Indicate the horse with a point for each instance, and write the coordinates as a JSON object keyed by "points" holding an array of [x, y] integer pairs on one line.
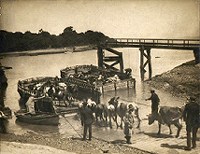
{"points": [[119, 109]]}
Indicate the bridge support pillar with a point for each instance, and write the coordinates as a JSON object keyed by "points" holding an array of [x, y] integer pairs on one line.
{"points": [[145, 58], [196, 52], [110, 61]]}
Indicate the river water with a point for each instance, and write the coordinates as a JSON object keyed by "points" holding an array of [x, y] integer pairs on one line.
{"points": [[50, 65]]}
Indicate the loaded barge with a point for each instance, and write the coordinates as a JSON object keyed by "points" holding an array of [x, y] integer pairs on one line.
{"points": [[94, 77], [75, 84]]}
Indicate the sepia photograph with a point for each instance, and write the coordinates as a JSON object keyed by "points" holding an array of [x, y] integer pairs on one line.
{"points": [[99, 76]]}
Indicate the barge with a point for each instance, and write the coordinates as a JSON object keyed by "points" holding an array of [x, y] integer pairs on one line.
{"points": [[96, 78]]}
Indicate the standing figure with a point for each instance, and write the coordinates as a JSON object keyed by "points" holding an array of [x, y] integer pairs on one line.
{"points": [[191, 118], [51, 92], [2, 120], [155, 101], [128, 124], [87, 119]]}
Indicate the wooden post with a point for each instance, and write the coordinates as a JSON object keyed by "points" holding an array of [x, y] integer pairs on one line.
{"points": [[100, 56], [121, 63], [141, 62], [147, 55], [149, 61], [196, 52]]}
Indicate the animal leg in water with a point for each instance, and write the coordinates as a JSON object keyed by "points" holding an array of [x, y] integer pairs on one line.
{"points": [[138, 118], [159, 128], [121, 125], [115, 119], [170, 130], [179, 126]]}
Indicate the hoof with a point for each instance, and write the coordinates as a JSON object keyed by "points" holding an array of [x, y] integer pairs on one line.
{"points": [[177, 136]]}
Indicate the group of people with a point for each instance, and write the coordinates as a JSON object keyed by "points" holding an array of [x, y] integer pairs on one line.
{"points": [[190, 114]]}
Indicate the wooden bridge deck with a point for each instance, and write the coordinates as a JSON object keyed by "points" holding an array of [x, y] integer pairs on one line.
{"points": [[145, 46], [185, 44]]}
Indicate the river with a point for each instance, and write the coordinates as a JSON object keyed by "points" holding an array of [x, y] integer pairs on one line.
{"points": [[50, 65]]}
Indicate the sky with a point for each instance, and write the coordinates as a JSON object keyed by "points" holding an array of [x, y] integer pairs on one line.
{"points": [[114, 18]]}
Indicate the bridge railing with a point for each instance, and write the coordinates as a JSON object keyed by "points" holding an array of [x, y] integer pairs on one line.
{"points": [[155, 42]]}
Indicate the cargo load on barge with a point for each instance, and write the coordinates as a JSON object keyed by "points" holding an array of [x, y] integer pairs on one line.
{"points": [[97, 78]]}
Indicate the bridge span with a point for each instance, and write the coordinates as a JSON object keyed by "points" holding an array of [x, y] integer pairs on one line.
{"points": [[145, 45]]}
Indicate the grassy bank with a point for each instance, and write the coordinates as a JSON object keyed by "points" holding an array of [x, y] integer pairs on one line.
{"points": [[183, 80]]}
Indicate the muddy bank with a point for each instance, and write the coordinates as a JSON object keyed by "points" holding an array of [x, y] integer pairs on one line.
{"points": [[182, 81], [72, 144]]}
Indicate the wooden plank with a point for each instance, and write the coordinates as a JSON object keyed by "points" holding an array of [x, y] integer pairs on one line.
{"points": [[111, 58], [114, 51]]}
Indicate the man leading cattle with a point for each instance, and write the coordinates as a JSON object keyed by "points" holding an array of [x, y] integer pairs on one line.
{"points": [[155, 101], [87, 119], [191, 117], [128, 121]]}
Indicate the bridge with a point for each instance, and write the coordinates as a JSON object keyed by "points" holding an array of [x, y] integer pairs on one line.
{"points": [[145, 45]]}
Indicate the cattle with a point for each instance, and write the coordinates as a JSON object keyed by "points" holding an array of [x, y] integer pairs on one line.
{"points": [[119, 109], [169, 116]]}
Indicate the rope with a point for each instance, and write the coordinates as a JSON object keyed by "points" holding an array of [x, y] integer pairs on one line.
{"points": [[104, 151], [71, 125]]}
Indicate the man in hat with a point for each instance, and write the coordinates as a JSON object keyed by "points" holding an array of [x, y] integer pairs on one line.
{"points": [[128, 123], [87, 119], [191, 118], [155, 101]]}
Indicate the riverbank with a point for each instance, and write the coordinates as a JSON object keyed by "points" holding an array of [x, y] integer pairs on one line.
{"points": [[182, 81], [49, 51], [35, 143]]}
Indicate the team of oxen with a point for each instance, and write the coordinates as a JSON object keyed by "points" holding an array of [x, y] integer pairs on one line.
{"points": [[115, 109]]}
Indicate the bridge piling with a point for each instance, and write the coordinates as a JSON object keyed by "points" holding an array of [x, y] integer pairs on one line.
{"points": [[110, 61], [196, 52], [145, 53]]}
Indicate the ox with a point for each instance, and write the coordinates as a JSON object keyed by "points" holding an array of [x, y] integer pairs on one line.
{"points": [[119, 109], [167, 115]]}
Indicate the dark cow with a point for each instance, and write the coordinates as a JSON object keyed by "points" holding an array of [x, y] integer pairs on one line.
{"points": [[169, 116]]}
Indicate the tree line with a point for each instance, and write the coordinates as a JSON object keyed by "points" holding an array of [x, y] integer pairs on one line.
{"points": [[43, 40]]}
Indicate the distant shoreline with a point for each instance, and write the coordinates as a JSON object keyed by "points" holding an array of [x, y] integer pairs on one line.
{"points": [[49, 51]]}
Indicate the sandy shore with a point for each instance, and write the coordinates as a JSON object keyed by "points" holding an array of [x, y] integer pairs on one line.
{"points": [[21, 148], [34, 143]]}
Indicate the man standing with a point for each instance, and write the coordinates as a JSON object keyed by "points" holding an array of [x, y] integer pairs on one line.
{"points": [[191, 118], [128, 124], [87, 119], [155, 101]]}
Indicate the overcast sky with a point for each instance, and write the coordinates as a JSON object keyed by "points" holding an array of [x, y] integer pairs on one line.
{"points": [[114, 18]]}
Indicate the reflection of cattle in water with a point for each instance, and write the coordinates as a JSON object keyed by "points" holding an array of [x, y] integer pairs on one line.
{"points": [[169, 116], [118, 109]]}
